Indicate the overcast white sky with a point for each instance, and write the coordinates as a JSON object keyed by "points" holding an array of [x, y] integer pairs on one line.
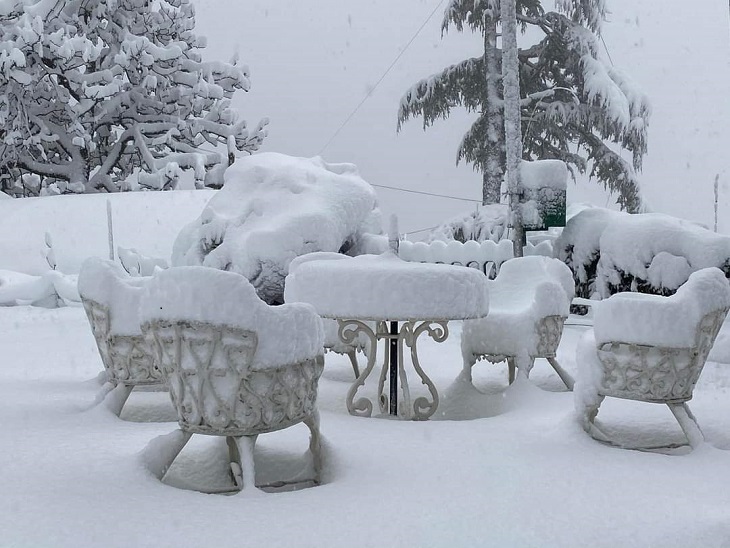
{"points": [[313, 61]]}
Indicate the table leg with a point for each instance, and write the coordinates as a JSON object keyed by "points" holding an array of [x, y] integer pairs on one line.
{"points": [[420, 409], [394, 359], [438, 331], [348, 332]]}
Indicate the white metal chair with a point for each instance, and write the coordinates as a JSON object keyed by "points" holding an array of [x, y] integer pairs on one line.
{"points": [[111, 300], [235, 366], [529, 301], [651, 349]]}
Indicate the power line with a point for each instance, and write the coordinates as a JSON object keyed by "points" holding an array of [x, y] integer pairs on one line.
{"points": [[387, 71], [427, 193]]}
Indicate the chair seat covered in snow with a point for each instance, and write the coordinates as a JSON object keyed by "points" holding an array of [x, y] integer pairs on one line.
{"points": [[111, 300], [652, 349], [235, 366], [529, 302]]}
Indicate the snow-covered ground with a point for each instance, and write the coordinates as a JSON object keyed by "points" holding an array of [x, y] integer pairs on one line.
{"points": [[506, 467]]}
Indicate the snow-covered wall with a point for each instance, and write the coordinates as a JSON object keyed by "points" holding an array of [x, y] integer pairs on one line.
{"points": [[77, 224]]}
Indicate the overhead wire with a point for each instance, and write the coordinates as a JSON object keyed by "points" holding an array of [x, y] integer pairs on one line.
{"points": [[380, 80]]}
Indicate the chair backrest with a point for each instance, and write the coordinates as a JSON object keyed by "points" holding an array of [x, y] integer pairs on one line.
{"points": [[286, 334], [105, 283], [670, 322]]}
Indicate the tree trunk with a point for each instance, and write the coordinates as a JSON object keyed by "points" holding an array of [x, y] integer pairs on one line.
{"points": [[512, 121], [493, 171]]}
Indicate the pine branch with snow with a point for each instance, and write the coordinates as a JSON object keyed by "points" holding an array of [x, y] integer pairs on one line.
{"points": [[575, 106]]}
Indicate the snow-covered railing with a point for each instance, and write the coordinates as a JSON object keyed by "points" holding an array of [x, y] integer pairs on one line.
{"points": [[487, 256]]}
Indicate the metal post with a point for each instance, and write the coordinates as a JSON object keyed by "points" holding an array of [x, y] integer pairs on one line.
{"points": [[394, 368]]}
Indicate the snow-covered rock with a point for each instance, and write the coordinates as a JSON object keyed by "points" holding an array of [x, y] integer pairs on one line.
{"points": [[274, 208], [286, 334]]}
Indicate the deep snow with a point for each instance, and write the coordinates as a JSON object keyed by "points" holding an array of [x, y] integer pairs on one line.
{"points": [[498, 469]]}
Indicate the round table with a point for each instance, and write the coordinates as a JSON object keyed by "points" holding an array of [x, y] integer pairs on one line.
{"points": [[384, 298]]}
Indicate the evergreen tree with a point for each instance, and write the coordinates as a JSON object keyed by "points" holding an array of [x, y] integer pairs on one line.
{"points": [[574, 106], [94, 90]]}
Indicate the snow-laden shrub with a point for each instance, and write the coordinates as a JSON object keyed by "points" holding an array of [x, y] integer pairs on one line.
{"points": [[489, 222], [578, 246], [610, 252], [274, 208], [655, 253]]}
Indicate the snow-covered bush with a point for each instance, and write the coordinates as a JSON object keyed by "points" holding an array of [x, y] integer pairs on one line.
{"points": [[654, 253], [274, 208], [488, 223], [610, 252], [94, 91], [578, 246]]}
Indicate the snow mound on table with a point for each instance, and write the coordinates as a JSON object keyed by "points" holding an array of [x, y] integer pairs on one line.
{"points": [[386, 287], [286, 334], [274, 208], [332, 339], [662, 321], [107, 283], [526, 289]]}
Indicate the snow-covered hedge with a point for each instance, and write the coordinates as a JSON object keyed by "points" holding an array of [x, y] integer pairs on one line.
{"points": [[274, 208], [610, 252]]}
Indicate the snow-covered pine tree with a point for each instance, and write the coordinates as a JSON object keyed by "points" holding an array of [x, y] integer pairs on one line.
{"points": [[575, 107], [94, 90]]}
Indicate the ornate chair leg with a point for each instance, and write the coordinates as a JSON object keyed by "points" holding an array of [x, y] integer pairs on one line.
{"points": [[234, 459], [562, 373], [468, 364], [116, 399], [162, 451], [353, 360], [315, 444], [246, 446], [688, 423]]}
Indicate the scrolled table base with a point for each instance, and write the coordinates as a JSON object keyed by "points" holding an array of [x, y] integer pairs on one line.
{"points": [[422, 407]]}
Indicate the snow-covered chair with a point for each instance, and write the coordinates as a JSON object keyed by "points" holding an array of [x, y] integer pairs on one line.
{"points": [[235, 366], [529, 302], [652, 349], [332, 340], [111, 300]]}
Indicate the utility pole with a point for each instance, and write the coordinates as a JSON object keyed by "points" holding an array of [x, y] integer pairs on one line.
{"points": [[512, 119]]}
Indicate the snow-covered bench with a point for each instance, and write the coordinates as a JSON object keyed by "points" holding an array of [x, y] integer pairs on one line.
{"points": [[651, 348], [111, 300], [529, 302], [235, 366]]}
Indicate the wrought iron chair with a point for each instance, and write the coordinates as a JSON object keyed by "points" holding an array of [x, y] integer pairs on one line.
{"points": [[651, 349], [235, 366], [529, 302], [111, 300]]}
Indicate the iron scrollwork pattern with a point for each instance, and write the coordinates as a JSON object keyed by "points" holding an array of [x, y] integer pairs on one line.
{"points": [[656, 373], [422, 407], [215, 390], [127, 359]]}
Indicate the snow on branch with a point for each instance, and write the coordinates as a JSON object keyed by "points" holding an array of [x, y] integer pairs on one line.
{"points": [[92, 92], [433, 98]]}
